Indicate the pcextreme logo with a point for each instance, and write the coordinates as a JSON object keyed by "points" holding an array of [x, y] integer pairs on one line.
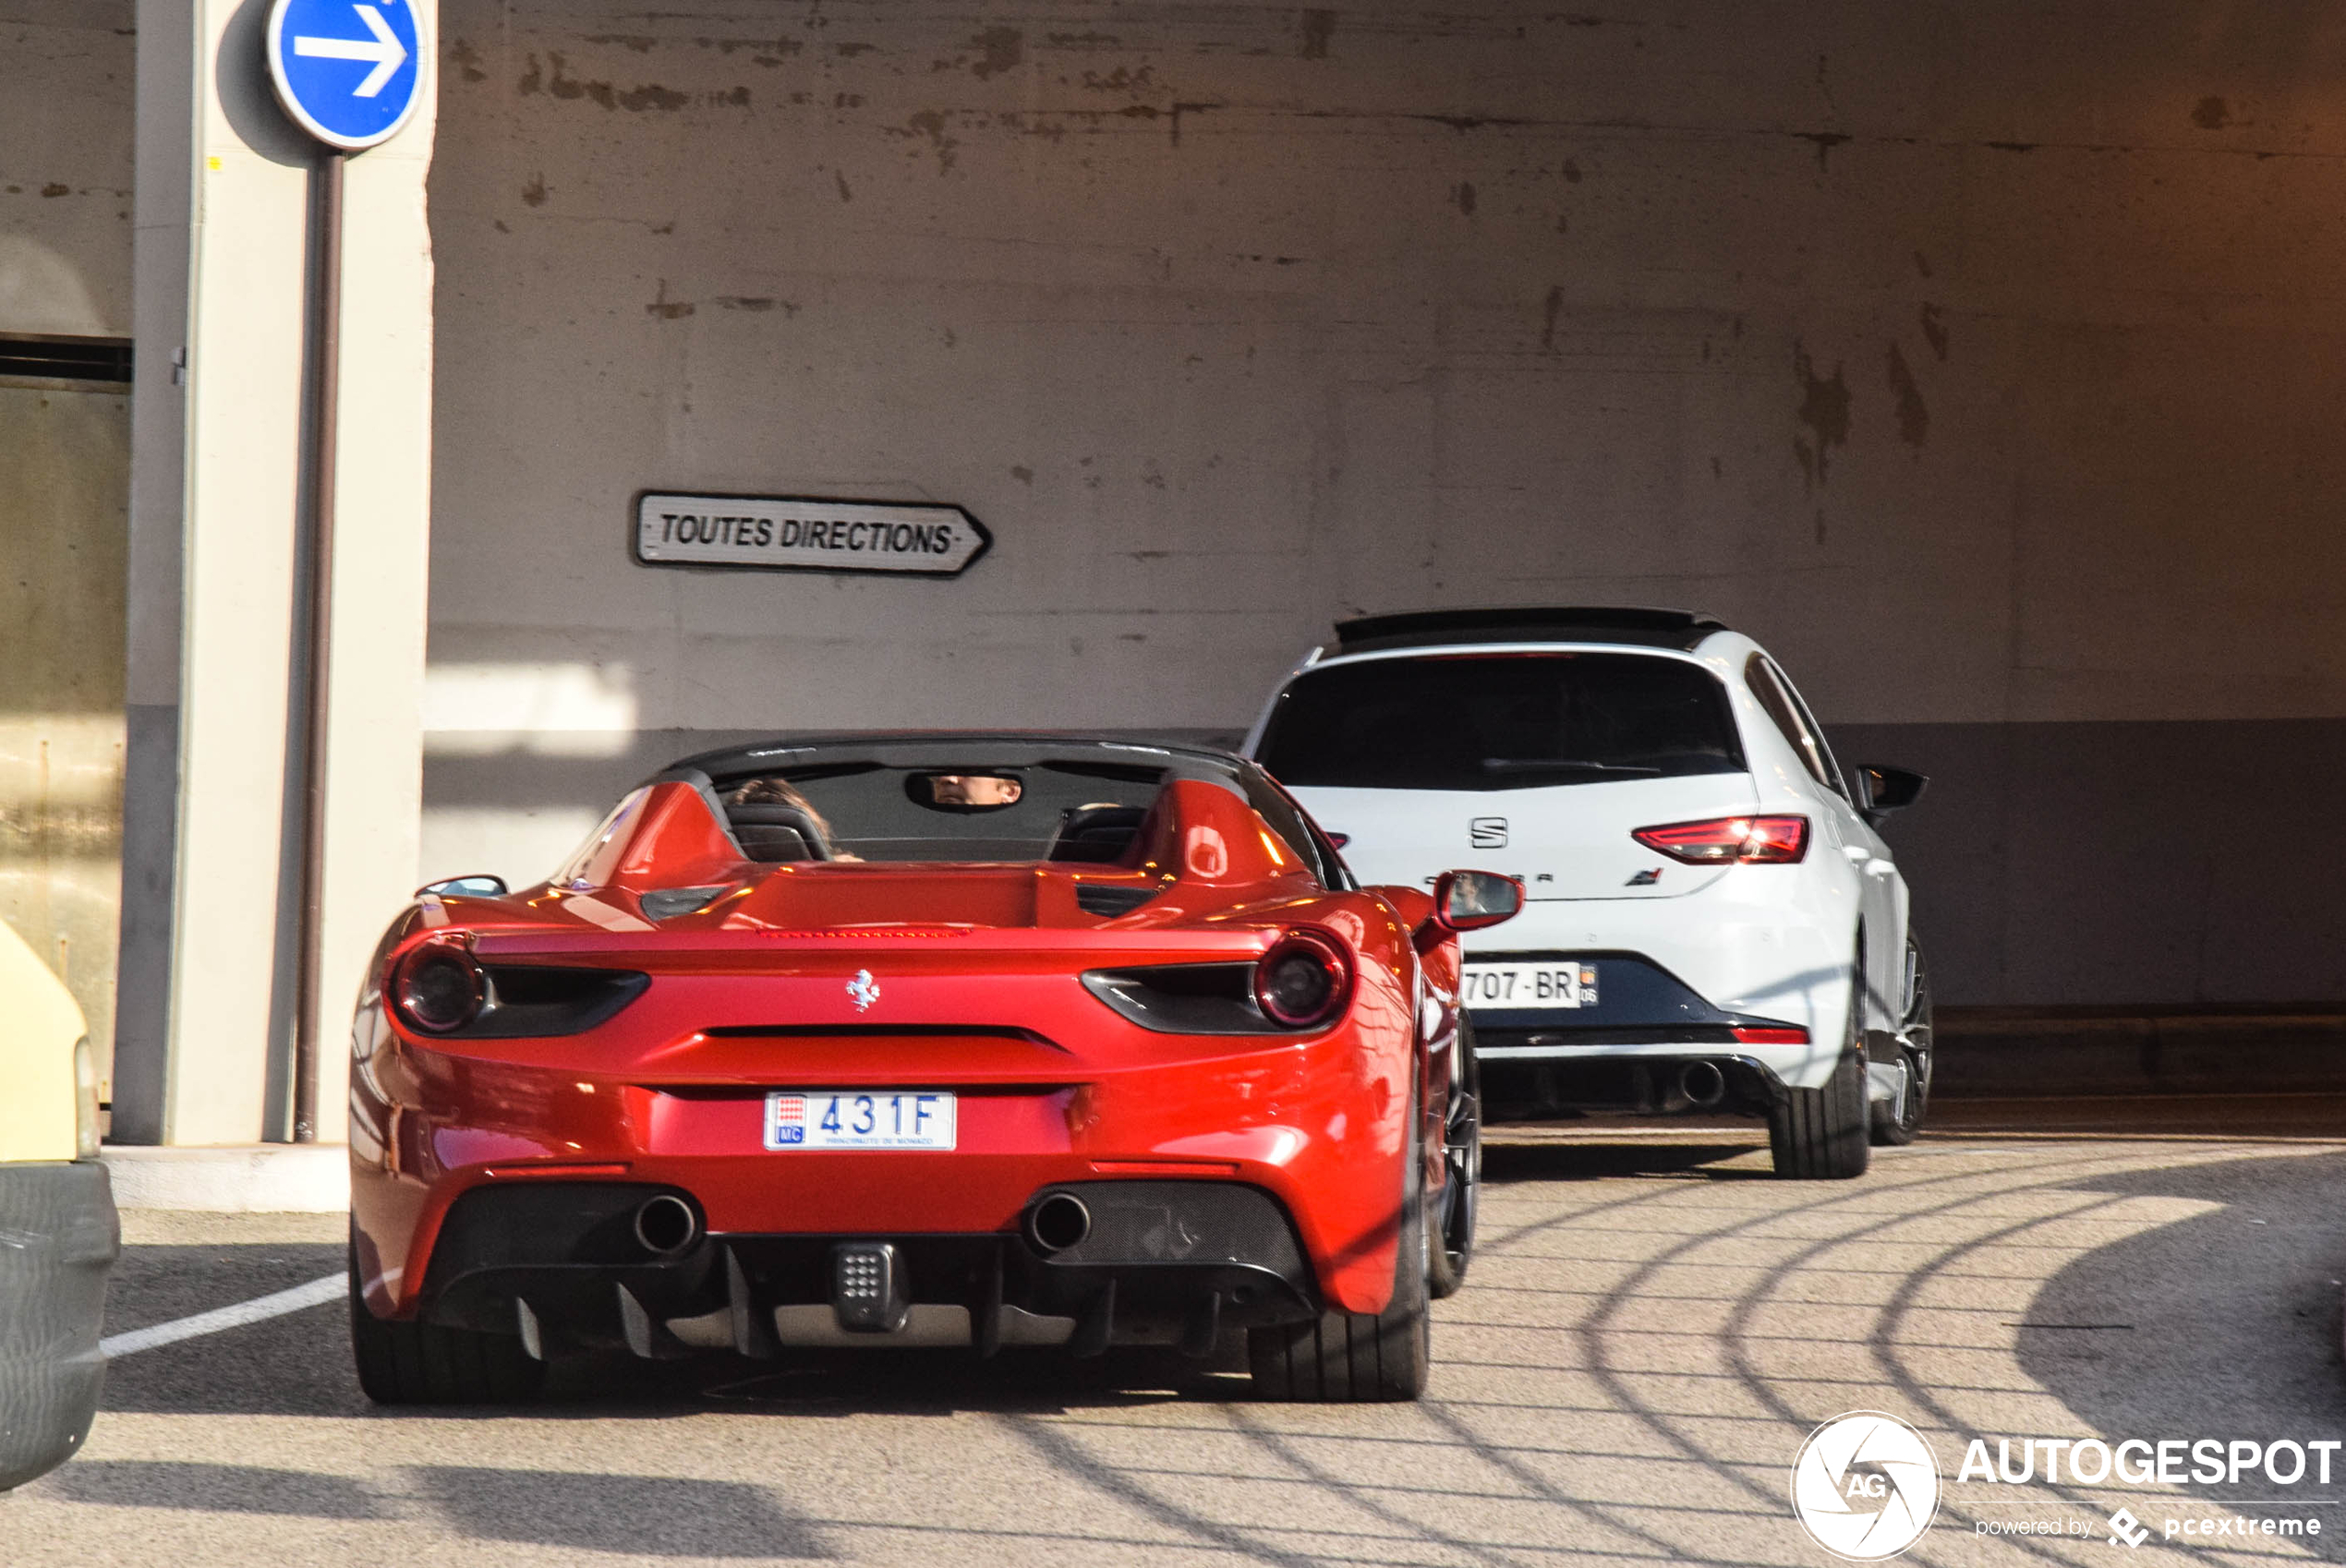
{"points": [[1866, 1486]]}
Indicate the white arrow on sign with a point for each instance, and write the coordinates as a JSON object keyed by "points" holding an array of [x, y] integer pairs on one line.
{"points": [[385, 50]]}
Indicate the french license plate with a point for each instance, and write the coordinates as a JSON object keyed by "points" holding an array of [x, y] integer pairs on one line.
{"points": [[1555, 983], [859, 1119]]}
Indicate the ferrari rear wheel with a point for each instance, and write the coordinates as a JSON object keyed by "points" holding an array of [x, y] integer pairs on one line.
{"points": [[1354, 1357], [1453, 1246], [425, 1364]]}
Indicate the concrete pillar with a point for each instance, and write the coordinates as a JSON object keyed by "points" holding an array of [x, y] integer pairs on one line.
{"points": [[215, 680]]}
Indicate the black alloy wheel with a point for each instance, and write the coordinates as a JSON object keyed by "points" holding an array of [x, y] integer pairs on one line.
{"points": [[1916, 1057], [1462, 1171]]}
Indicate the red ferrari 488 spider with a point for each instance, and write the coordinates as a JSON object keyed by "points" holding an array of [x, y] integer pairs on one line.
{"points": [[922, 1039]]}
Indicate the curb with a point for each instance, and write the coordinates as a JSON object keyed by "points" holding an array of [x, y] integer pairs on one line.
{"points": [[1998, 1053], [305, 1178]]}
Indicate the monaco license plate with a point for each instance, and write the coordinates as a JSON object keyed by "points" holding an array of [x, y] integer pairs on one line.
{"points": [[859, 1119], [1555, 982]]}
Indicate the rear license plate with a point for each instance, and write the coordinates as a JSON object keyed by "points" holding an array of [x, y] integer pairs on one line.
{"points": [[1553, 983], [859, 1119]]}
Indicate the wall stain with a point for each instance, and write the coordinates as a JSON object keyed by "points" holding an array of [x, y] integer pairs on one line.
{"points": [[1571, 172], [1463, 195], [757, 304], [1121, 79], [1825, 142], [1319, 26], [1934, 327], [1023, 474], [1181, 109], [467, 59], [640, 42], [1914, 418], [2211, 113], [844, 194], [849, 51], [54, 189], [1548, 325], [1922, 264], [931, 124], [668, 309], [762, 51], [1824, 408], [2013, 146], [533, 193], [1084, 39], [557, 80], [1004, 48]]}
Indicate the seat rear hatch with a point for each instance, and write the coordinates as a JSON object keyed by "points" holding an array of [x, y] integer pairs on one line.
{"points": [[1538, 761]]}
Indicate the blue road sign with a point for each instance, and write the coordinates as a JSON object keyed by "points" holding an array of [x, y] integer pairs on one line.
{"points": [[350, 72]]}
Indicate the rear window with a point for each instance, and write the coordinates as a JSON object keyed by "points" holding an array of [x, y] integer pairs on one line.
{"points": [[1500, 721]]}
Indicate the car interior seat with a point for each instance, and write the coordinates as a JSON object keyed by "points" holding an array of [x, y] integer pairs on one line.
{"points": [[776, 832], [1095, 834]]}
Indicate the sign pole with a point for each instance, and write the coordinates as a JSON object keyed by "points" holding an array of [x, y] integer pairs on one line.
{"points": [[325, 338], [350, 73]]}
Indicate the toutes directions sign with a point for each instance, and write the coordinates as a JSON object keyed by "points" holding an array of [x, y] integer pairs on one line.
{"points": [[782, 533]]}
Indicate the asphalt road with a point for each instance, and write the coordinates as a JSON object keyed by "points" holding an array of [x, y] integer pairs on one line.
{"points": [[1651, 1329]]}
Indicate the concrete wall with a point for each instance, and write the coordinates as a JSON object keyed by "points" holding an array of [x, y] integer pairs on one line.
{"points": [[66, 92], [1980, 358], [66, 85]]}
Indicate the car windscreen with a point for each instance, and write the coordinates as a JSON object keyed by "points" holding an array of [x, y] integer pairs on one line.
{"points": [[954, 809], [1500, 721]]}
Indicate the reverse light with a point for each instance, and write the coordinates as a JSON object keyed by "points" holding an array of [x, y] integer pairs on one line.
{"points": [[1730, 840], [438, 987], [1304, 982]]}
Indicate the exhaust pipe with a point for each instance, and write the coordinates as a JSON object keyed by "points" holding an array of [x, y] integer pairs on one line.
{"points": [[1702, 1083], [666, 1225], [1058, 1221]]}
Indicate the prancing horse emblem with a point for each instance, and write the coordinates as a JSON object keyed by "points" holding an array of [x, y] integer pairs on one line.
{"points": [[863, 990]]}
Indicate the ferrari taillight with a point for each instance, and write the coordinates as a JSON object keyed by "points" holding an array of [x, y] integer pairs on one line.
{"points": [[438, 987], [1304, 980], [1730, 840]]}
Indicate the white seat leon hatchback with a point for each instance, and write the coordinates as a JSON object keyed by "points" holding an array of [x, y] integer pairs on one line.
{"points": [[1712, 923]]}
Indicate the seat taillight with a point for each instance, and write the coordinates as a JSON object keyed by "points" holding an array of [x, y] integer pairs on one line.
{"points": [[1730, 840]]}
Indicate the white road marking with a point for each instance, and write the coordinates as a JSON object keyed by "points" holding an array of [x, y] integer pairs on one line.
{"points": [[316, 1293]]}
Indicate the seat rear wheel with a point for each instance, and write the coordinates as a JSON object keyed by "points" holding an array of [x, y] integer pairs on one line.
{"points": [[1340, 1357], [417, 1363], [1453, 1246], [1822, 1134]]}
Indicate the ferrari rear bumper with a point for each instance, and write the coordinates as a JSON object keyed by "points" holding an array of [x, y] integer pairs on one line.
{"points": [[573, 1265]]}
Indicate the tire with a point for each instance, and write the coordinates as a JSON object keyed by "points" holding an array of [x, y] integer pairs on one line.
{"points": [[1821, 1134], [1453, 1244], [425, 1364], [1356, 1358], [1917, 1055]]}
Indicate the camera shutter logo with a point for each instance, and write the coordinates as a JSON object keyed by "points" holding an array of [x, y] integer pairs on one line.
{"points": [[1866, 1486], [1487, 833]]}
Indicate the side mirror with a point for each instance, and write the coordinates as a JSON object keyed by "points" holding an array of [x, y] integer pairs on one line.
{"points": [[1883, 789], [480, 885], [1470, 900]]}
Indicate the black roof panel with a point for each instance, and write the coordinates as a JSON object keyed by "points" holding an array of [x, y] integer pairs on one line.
{"points": [[1680, 629]]}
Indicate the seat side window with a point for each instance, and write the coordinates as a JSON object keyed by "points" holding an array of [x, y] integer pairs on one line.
{"points": [[1791, 717]]}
